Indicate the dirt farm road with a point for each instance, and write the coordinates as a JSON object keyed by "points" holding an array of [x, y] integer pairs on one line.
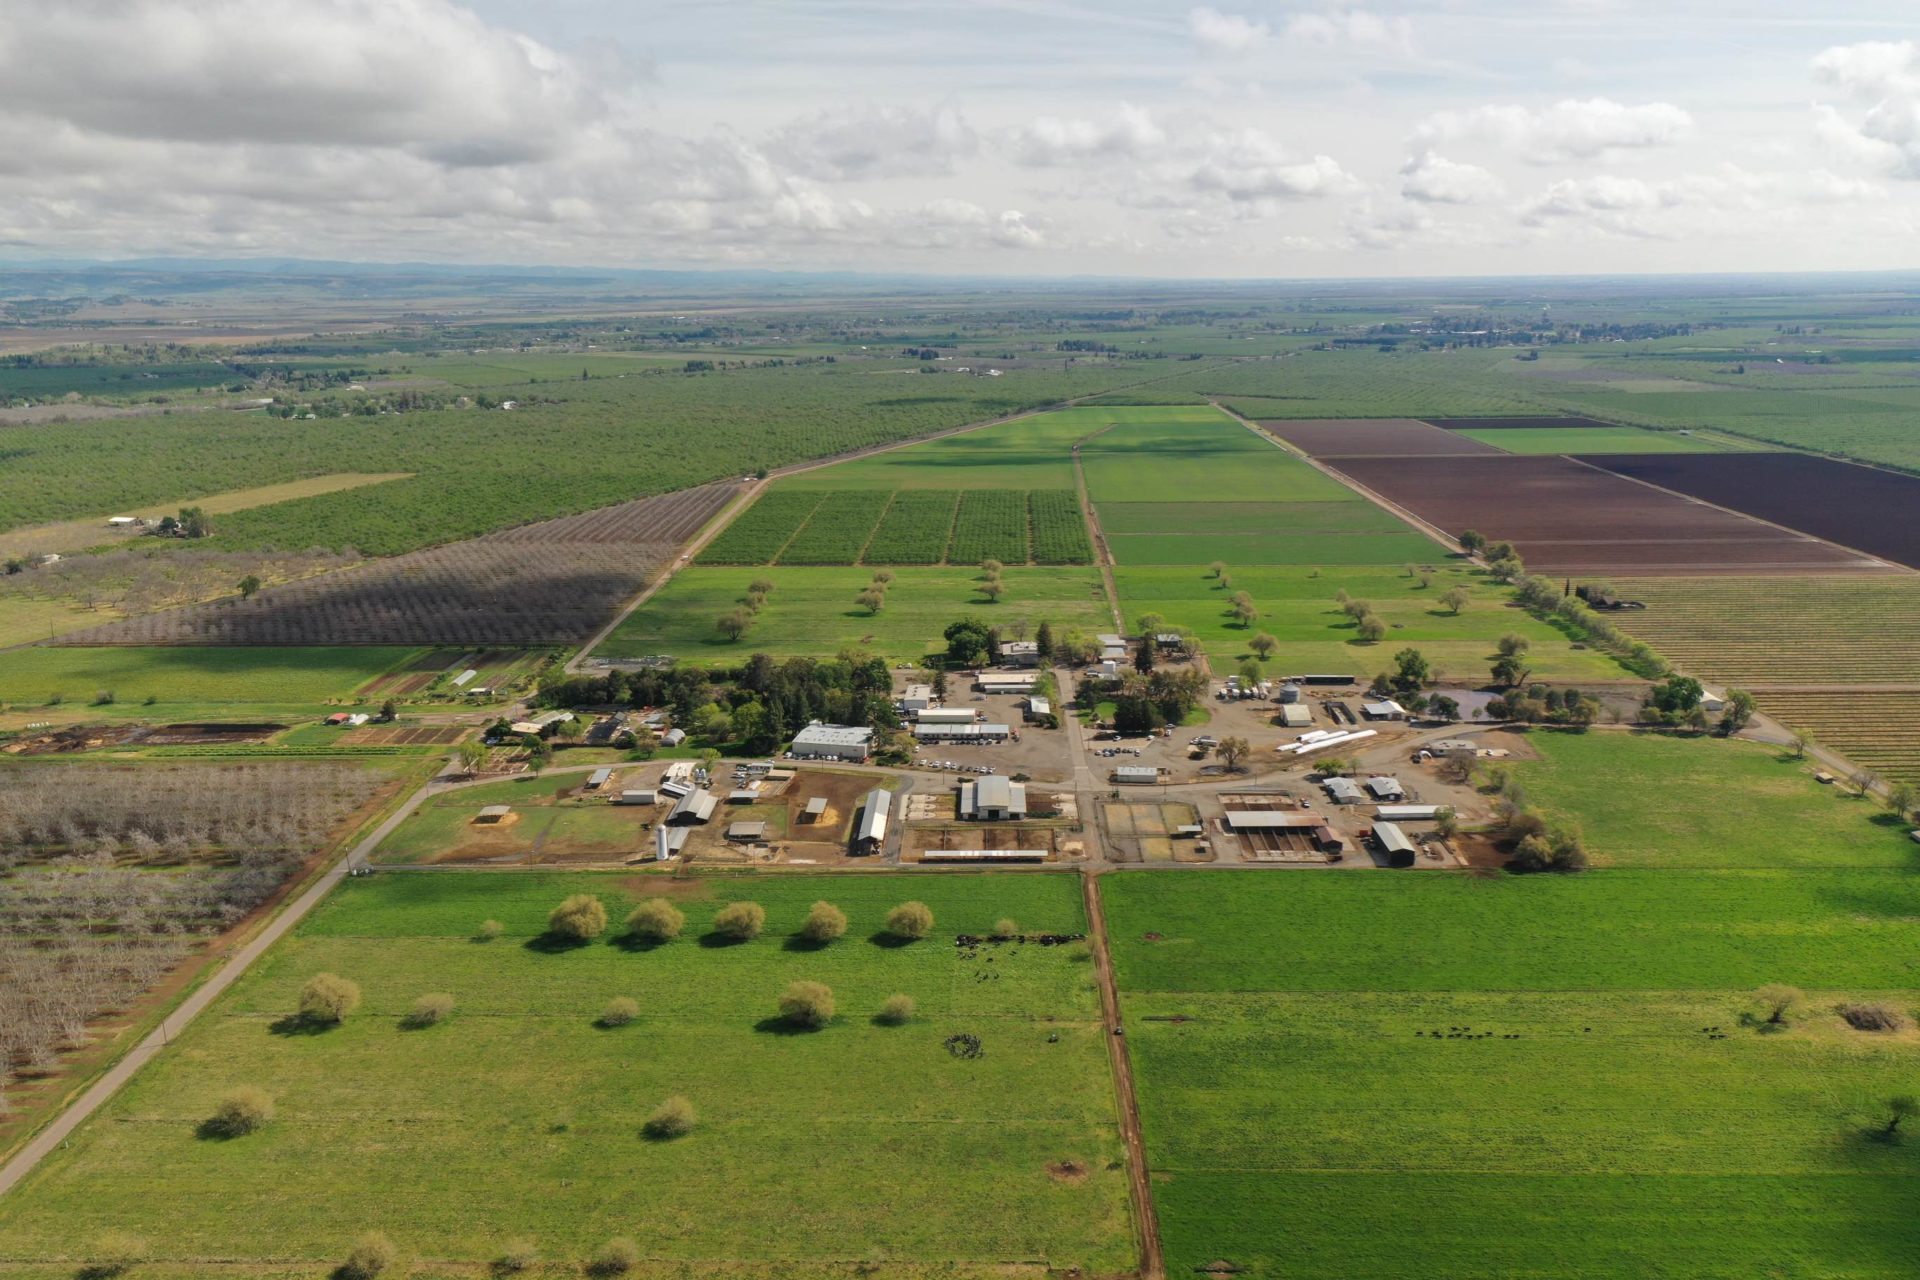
{"points": [[62, 1126], [1139, 1179]]}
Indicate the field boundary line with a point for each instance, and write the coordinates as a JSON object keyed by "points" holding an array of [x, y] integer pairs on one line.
{"points": [[56, 1132], [685, 554], [1446, 540], [1139, 1181], [1102, 551]]}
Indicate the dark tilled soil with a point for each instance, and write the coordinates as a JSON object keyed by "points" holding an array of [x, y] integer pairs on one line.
{"points": [[1568, 517], [1875, 511]]}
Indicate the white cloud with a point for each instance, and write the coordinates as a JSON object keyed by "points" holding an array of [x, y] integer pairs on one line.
{"points": [[1225, 34], [1131, 133], [1245, 178], [423, 75], [1574, 129], [875, 142], [1883, 77], [1433, 179], [1352, 29]]}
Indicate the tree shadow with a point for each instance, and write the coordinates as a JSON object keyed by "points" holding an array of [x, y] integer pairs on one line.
{"points": [[549, 944], [715, 940], [640, 944], [891, 941], [781, 1025], [300, 1024], [799, 942]]}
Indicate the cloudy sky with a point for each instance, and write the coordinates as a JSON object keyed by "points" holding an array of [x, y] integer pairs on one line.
{"points": [[1028, 137]]}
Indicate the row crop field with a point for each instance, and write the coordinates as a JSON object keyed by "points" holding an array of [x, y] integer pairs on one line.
{"points": [[760, 533], [1570, 1065], [1299, 607], [522, 1114], [1782, 629], [838, 530], [990, 525], [1192, 491], [1878, 731], [905, 527], [812, 611], [1591, 440], [916, 529]]}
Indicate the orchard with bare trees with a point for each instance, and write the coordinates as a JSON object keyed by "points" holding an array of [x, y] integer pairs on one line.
{"points": [[109, 875]]}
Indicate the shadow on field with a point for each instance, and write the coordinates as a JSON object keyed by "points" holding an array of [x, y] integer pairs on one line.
{"points": [[637, 944], [299, 1024], [714, 940], [796, 942], [780, 1025], [553, 944], [891, 941]]}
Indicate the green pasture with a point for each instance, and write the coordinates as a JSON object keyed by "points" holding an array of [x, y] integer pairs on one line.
{"points": [[1298, 608], [811, 611], [176, 676], [1648, 800], [1607, 930], [1579, 440], [518, 1116]]}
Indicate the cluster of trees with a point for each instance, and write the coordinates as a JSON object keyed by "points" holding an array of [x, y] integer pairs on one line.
{"points": [[1549, 599], [1535, 843], [873, 596], [1144, 701], [1501, 557], [736, 622], [1538, 704], [146, 576], [1366, 623]]}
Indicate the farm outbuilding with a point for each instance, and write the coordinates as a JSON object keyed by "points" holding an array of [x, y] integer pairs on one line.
{"points": [[833, 742], [639, 795], [1394, 843], [1271, 820], [993, 799], [598, 779], [1383, 709], [746, 832], [1344, 791], [668, 842], [1020, 653], [1136, 774], [495, 813], [963, 733], [1295, 715], [696, 806], [945, 715], [918, 697], [1003, 682], [984, 855], [1385, 789], [870, 833], [815, 810], [1407, 812]]}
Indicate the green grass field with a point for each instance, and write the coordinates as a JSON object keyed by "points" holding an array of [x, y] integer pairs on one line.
{"points": [[1646, 800], [1407, 1075], [811, 611], [1297, 607], [856, 1145], [1592, 440], [181, 675], [580, 825]]}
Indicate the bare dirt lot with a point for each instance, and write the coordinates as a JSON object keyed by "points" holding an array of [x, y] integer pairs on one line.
{"points": [[1373, 437], [1568, 517], [1875, 511]]}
